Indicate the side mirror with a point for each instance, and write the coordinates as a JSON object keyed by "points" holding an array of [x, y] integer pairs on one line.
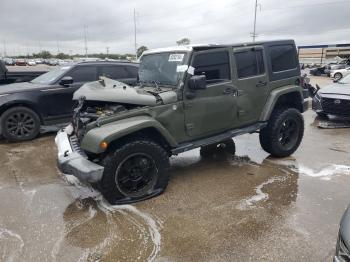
{"points": [[197, 82], [66, 81]]}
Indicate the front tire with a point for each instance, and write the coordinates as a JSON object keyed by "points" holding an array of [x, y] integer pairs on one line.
{"points": [[338, 76], [283, 133], [20, 124], [135, 170]]}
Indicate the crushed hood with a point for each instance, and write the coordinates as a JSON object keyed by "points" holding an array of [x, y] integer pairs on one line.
{"points": [[109, 90], [336, 89]]}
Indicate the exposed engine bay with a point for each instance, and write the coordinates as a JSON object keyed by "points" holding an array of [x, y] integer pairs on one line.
{"points": [[88, 111]]}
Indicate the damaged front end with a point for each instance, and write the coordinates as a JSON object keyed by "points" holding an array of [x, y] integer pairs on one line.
{"points": [[99, 103]]}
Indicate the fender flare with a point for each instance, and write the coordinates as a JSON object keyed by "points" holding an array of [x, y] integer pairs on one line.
{"points": [[275, 95], [121, 128]]}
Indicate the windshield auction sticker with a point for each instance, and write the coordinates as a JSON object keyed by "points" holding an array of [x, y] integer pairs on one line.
{"points": [[176, 57]]}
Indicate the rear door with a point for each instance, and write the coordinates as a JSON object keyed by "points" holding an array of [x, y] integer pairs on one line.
{"points": [[213, 109], [252, 82]]}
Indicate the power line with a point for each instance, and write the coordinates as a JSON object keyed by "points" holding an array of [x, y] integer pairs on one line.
{"points": [[135, 32]]}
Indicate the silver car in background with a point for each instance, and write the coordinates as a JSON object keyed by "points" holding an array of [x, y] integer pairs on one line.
{"points": [[333, 99]]}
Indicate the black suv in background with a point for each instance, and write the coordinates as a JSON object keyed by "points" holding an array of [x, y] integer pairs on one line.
{"points": [[46, 101]]}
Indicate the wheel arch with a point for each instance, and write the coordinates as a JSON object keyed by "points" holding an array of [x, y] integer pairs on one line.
{"points": [[20, 103], [135, 127], [290, 96]]}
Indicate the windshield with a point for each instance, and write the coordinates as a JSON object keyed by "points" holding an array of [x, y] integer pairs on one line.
{"points": [[51, 76], [162, 68], [345, 80]]}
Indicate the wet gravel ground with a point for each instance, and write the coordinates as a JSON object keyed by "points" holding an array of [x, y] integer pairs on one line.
{"points": [[245, 207]]}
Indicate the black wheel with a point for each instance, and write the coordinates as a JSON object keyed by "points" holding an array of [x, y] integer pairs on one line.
{"points": [[227, 146], [134, 171], [20, 124], [338, 76], [283, 133]]}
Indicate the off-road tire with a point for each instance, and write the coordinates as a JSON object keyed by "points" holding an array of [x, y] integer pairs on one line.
{"points": [[28, 116], [270, 135], [338, 76], [227, 146], [111, 190]]}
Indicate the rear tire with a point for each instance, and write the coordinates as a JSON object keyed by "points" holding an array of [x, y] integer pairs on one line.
{"points": [[20, 124], [134, 170], [283, 133]]}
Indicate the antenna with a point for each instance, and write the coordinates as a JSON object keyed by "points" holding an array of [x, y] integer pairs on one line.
{"points": [[135, 33], [58, 46], [85, 40], [254, 34], [4, 47]]}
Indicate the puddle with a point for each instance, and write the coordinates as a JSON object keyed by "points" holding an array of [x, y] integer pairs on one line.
{"points": [[252, 202], [11, 245], [326, 173], [104, 231]]}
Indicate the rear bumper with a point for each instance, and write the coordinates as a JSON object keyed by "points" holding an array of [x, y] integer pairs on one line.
{"points": [[74, 163]]}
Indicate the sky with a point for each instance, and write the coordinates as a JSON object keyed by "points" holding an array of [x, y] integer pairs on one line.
{"points": [[28, 26]]}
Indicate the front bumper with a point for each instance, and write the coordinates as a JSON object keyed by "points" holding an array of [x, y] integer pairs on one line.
{"points": [[342, 252], [73, 162]]}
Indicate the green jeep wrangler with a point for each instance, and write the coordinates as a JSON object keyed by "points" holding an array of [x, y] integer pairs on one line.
{"points": [[121, 137]]}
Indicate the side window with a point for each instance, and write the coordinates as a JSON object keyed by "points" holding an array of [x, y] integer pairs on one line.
{"points": [[113, 72], [249, 63], [283, 58], [83, 74], [132, 71], [215, 66]]}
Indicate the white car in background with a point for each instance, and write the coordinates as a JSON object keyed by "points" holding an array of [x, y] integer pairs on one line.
{"points": [[31, 63], [339, 73]]}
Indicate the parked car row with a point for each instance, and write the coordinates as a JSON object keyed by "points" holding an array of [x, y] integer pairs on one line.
{"points": [[17, 76], [47, 100], [34, 61], [334, 70]]}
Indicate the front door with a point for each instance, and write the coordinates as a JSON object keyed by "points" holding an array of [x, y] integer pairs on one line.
{"points": [[252, 82], [57, 101], [211, 110]]}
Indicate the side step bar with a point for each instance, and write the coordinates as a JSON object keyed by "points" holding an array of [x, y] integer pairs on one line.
{"points": [[217, 138]]}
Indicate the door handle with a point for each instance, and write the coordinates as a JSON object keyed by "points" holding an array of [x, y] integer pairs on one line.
{"points": [[261, 84], [228, 91]]}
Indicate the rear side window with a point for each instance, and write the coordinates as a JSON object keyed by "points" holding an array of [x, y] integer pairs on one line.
{"points": [[283, 58], [113, 72], [215, 66], [83, 74], [250, 63]]}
